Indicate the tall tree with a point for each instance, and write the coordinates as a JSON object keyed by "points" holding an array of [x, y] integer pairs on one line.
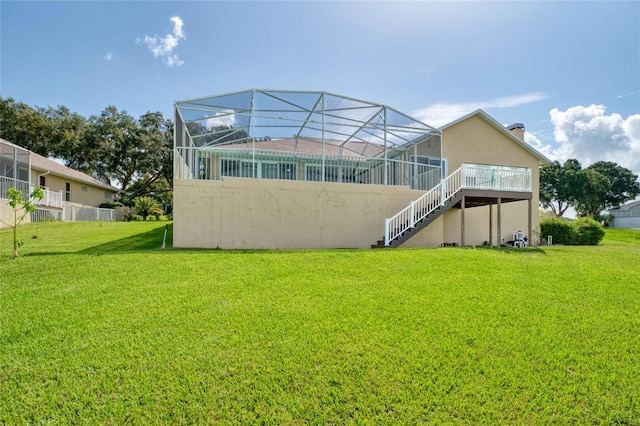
{"points": [[24, 126], [593, 189], [559, 188], [624, 184]]}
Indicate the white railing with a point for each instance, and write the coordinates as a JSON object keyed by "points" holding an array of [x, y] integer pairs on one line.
{"points": [[469, 176], [216, 163], [497, 178], [6, 183], [51, 199]]}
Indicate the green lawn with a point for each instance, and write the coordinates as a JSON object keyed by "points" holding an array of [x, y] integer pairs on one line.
{"points": [[99, 325]]}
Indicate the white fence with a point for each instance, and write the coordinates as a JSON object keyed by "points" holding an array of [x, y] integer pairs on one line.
{"points": [[90, 214]]}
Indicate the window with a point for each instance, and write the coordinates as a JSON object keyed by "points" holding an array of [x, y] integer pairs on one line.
{"points": [[108, 195], [237, 168], [67, 192], [278, 171], [83, 188], [42, 181], [431, 161], [259, 169]]}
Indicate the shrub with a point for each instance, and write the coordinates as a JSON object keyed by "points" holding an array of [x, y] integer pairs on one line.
{"points": [[583, 231], [126, 212], [137, 217], [588, 232], [560, 230], [110, 205]]}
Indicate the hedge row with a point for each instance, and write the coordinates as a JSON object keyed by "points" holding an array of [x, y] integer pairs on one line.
{"points": [[583, 231]]}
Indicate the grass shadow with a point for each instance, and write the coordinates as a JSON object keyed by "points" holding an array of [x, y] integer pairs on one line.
{"points": [[141, 242], [518, 250]]}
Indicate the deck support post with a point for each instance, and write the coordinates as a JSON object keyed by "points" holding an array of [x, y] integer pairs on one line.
{"points": [[530, 223], [490, 225], [499, 236], [462, 242]]}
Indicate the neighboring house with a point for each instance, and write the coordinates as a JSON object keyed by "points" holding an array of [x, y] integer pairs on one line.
{"points": [[63, 187], [289, 170], [626, 216]]}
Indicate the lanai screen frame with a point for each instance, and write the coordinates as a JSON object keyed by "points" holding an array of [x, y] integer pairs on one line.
{"points": [[247, 119]]}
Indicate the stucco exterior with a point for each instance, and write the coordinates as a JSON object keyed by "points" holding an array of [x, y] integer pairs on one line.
{"points": [[242, 213]]}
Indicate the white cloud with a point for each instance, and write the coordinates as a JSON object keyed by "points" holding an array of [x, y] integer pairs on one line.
{"points": [[109, 56], [589, 135], [445, 112], [163, 46]]}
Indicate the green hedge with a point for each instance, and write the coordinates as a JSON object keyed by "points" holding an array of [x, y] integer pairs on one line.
{"points": [[583, 231]]}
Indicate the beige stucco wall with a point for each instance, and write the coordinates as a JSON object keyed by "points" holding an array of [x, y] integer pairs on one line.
{"points": [[6, 214], [241, 213], [81, 193]]}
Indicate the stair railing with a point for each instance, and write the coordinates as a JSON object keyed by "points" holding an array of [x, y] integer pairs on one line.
{"points": [[420, 208]]}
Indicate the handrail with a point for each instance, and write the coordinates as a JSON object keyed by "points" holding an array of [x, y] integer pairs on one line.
{"points": [[469, 176], [422, 207]]}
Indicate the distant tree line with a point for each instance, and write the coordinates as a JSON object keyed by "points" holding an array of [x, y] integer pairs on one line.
{"points": [[589, 191], [114, 147]]}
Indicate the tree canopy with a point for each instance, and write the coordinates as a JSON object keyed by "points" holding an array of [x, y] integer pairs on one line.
{"points": [[599, 187]]}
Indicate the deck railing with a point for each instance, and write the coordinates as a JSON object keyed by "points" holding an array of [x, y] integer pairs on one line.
{"points": [[216, 163], [51, 198], [469, 176]]}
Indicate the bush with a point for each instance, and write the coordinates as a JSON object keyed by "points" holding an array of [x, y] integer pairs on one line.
{"points": [[588, 232], [126, 212], [110, 205], [137, 217], [560, 230], [583, 231]]}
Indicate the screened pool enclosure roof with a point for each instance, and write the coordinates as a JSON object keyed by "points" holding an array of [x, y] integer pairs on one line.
{"points": [[300, 121]]}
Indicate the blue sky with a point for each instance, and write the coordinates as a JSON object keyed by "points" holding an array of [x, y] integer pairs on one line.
{"points": [[570, 71]]}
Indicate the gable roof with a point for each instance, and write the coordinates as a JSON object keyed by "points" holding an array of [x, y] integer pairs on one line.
{"points": [[486, 117], [625, 207], [44, 164]]}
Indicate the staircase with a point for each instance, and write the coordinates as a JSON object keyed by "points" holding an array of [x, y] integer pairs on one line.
{"points": [[421, 212], [432, 204]]}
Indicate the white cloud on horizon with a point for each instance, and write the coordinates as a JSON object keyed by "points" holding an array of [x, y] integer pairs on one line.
{"points": [[589, 135], [163, 46], [442, 113]]}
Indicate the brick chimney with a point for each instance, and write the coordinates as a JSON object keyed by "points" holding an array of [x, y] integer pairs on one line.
{"points": [[517, 129]]}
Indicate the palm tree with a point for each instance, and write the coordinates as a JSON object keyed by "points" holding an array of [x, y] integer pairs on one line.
{"points": [[147, 206]]}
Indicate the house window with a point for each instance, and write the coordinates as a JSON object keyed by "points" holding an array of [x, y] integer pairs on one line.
{"points": [[278, 170], [259, 169], [431, 161], [67, 192], [107, 195], [83, 188], [42, 182]]}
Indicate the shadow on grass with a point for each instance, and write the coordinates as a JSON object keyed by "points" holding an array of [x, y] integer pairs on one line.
{"points": [[145, 241], [518, 250]]}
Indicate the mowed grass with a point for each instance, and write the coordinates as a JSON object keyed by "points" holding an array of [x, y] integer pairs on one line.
{"points": [[101, 326]]}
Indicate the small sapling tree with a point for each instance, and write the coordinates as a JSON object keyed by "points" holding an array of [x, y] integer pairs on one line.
{"points": [[21, 208]]}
